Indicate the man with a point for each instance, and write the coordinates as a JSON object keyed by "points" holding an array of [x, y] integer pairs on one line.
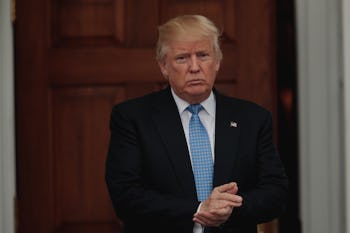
{"points": [[161, 178]]}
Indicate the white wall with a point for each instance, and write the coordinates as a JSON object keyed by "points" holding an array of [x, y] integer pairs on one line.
{"points": [[7, 153], [322, 144], [346, 65]]}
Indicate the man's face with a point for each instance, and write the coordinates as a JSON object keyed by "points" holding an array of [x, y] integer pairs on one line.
{"points": [[191, 67]]}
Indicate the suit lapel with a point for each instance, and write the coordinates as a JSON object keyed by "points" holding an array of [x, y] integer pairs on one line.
{"points": [[168, 123], [226, 140]]}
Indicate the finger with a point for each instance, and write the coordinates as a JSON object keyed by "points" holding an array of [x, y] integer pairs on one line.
{"points": [[207, 222], [222, 213], [226, 199], [226, 187], [203, 218], [223, 204], [214, 216], [208, 219], [204, 215], [236, 200], [234, 190], [198, 220]]}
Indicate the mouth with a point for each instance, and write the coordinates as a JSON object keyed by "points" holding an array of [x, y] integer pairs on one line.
{"points": [[195, 82]]}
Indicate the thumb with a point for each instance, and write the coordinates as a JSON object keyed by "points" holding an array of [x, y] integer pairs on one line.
{"points": [[234, 190]]}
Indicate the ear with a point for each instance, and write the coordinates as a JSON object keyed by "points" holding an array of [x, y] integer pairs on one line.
{"points": [[163, 68], [217, 66]]}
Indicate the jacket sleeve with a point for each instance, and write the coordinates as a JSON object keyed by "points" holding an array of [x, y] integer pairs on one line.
{"points": [[266, 198]]}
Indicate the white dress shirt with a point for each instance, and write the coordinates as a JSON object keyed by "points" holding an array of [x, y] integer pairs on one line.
{"points": [[207, 117]]}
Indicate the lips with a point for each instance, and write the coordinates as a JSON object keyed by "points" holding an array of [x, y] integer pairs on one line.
{"points": [[195, 82]]}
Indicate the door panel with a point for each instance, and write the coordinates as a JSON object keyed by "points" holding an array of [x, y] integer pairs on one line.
{"points": [[78, 58], [79, 140]]}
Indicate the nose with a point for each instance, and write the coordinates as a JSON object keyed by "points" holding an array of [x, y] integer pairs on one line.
{"points": [[194, 64]]}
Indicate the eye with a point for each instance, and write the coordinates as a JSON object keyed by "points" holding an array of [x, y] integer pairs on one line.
{"points": [[181, 59], [203, 56]]}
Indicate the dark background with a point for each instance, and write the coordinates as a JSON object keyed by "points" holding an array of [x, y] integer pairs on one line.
{"points": [[287, 109]]}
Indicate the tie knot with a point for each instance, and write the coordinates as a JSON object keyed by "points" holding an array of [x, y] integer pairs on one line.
{"points": [[195, 108]]}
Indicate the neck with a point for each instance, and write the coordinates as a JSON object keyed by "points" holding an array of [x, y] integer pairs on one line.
{"points": [[195, 99]]}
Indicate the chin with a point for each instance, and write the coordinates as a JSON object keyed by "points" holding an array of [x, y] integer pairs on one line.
{"points": [[199, 90], [199, 95]]}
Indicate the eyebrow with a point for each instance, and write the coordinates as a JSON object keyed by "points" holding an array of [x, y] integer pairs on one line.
{"points": [[188, 53], [182, 54]]}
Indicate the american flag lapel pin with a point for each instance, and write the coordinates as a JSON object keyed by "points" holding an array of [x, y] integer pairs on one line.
{"points": [[233, 124]]}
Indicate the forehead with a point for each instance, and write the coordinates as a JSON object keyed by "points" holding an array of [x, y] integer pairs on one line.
{"points": [[188, 45]]}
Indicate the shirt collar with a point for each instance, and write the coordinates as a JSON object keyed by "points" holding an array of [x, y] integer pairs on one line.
{"points": [[208, 104]]}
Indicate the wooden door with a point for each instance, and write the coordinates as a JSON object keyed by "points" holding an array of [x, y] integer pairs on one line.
{"points": [[75, 59]]}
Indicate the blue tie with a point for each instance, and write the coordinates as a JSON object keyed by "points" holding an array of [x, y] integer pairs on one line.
{"points": [[202, 161]]}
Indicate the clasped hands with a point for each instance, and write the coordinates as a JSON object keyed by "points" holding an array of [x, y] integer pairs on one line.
{"points": [[215, 210]]}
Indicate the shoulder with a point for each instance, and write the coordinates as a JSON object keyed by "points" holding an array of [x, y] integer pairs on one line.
{"points": [[142, 104], [250, 115], [241, 106]]}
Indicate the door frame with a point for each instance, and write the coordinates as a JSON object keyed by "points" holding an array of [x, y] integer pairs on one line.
{"points": [[323, 162], [7, 128]]}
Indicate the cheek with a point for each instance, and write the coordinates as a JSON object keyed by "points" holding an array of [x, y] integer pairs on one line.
{"points": [[176, 81], [177, 73], [211, 71], [178, 69]]}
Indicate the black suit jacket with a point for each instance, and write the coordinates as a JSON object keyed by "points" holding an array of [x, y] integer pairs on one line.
{"points": [[149, 174]]}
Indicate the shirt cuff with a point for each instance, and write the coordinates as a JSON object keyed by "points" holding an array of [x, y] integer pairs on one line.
{"points": [[199, 207]]}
